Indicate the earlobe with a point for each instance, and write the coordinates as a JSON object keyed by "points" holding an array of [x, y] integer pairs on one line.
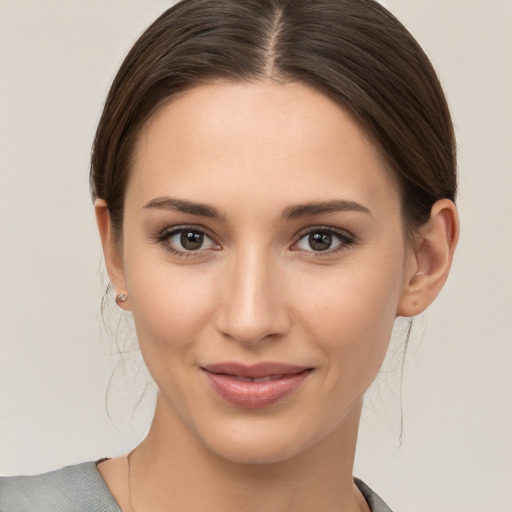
{"points": [[111, 252], [433, 255]]}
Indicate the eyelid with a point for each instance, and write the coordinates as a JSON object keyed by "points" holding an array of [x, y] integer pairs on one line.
{"points": [[165, 234], [345, 237]]}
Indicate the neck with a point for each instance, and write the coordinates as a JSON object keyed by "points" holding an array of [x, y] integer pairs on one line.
{"points": [[172, 470]]}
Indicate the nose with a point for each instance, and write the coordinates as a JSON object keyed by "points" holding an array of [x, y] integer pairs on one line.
{"points": [[252, 306]]}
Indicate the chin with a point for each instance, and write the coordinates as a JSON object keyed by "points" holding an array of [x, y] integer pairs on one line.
{"points": [[256, 453], [260, 443]]}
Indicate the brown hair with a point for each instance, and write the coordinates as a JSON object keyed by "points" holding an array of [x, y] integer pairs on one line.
{"points": [[354, 51]]}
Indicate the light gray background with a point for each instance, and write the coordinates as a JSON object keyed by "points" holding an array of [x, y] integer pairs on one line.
{"points": [[57, 58]]}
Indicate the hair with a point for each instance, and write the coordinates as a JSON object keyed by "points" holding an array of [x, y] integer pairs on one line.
{"points": [[353, 51]]}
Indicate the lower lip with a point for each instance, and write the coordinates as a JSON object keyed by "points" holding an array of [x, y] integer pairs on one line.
{"points": [[255, 395]]}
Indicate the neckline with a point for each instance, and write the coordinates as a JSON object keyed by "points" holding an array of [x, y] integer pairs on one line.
{"points": [[106, 490], [374, 501]]}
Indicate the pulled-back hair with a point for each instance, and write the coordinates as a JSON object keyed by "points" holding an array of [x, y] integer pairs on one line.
{"points": [[353, 51]]}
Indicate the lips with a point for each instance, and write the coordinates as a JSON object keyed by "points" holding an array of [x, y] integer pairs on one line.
{"points": [[255, 386]]}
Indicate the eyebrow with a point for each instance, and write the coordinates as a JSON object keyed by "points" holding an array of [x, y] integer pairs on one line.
{"points": [[318, 208], [183, 206], [290, 213]]}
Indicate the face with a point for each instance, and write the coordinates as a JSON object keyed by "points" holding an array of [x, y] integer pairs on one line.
{"points": [[264, 259]]}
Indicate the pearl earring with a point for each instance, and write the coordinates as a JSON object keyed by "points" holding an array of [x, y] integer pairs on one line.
{"points": [[121, 298]]}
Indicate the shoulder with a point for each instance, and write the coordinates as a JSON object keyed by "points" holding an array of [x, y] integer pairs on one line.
{"points": [[76, 488], [373, 499]]}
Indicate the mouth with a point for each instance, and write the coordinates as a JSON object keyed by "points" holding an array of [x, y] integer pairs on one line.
{"points": [[259, 379], [255, 386]]}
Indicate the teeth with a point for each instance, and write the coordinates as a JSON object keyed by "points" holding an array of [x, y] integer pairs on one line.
{"points": [[260, 379]]}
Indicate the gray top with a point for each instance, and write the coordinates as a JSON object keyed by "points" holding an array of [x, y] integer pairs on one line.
{"points": [[81, 488]]}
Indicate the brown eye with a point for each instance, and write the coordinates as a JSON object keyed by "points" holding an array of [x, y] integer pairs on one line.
{"points": [[320, 241], [191, 240], [327, 240], [183, 241]]}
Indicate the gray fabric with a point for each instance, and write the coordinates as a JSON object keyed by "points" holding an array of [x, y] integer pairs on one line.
{"points": [[81, 488], [77, 488], [374, 500]]}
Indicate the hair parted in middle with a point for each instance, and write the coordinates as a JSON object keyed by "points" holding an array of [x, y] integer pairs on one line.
{"points": [[353, 51]]}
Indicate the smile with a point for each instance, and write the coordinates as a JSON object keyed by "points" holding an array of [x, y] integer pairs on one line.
{"points": [[260, 379], [254, 386]]}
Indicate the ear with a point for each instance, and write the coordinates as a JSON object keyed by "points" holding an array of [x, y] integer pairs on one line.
{"points": [[111, 251], [432, 259]]}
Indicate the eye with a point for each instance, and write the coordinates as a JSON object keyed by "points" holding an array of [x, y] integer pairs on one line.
{"points": [[324, 240], [185, 240]]}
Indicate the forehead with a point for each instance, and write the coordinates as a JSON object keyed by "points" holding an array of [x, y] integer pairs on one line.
{"points": [[257, 142]]}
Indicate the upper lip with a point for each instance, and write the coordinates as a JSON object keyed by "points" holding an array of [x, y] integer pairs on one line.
{"points": [[254, 371]]}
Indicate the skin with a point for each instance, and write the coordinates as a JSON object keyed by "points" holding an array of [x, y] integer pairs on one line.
{"points": [[257, 290]]}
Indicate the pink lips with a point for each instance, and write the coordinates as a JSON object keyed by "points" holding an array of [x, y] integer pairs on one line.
{"points": [[255, 386]]}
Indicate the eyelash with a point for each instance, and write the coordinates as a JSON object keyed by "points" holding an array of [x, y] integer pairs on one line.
{"points": [[167, 234], [345, 240]]}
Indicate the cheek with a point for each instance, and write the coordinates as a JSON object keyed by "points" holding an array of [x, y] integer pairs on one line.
{"points": [[351, 318], [171, 309], [171, 306]]}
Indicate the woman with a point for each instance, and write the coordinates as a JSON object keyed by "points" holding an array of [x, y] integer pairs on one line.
{"points": [[274, 184]]}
